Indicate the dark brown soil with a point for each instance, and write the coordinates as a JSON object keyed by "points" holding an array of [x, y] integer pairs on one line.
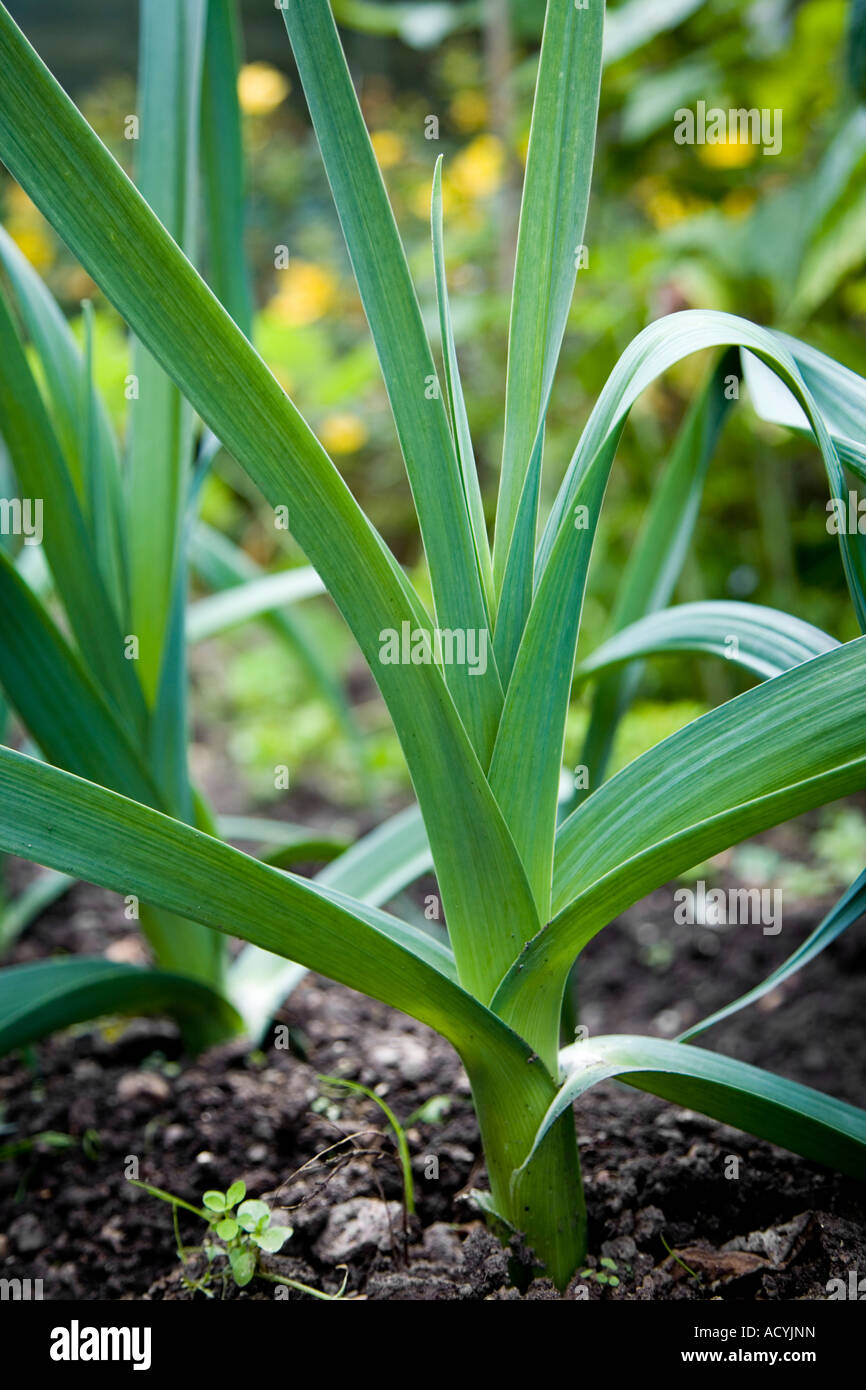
{"points": [[658, 1179]]}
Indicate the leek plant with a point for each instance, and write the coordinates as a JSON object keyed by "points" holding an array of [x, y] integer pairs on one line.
{"points": [[101, 689], [479, 688]]}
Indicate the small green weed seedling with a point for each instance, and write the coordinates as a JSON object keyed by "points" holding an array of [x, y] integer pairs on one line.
{"points": [[605, 1274], [47, 1138], [674, 1256], [244, 1232], [240, 1230]]}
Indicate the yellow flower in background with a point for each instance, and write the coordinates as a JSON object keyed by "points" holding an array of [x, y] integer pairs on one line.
{"points": [[459, 210], [306, 293], [665, 208], [478, 169], [261, 88], [738, 202], [728, 154], [32, 243], [28, 228], [20, 203], [388, 148], [343, 433], [469, 111], [420, 198]]}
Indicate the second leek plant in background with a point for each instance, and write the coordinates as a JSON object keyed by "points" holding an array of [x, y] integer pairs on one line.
{"points": [[102, 693]]}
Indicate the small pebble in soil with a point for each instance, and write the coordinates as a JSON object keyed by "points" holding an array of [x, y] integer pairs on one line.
{"points": [[143, 1085], [356, 1227], [401, 1053], [26, 1234]]}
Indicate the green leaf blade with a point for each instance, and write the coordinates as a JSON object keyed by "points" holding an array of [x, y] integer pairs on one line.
{"points": [[781, 748], [552, 218], [456, 401], [846, 912], [222, 159], [57, 699], [39, 999], [786, 1113], [43, 475], [51, 817], [161, 421], [392, 310], [253, 599], [527, 758], [655, 564], [763, 641], [68, 173]]}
